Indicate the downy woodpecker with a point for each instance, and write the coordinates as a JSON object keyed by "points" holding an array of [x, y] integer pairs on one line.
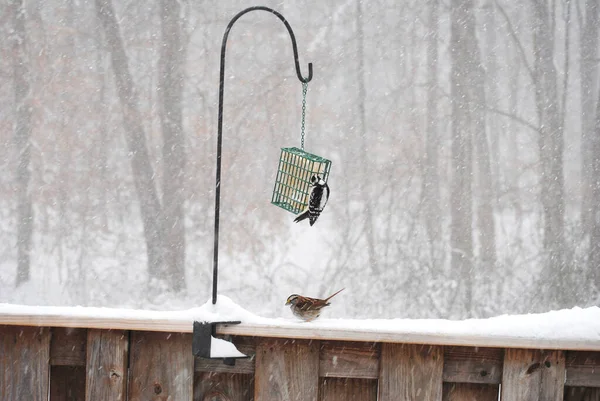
{"points": [[319, 194]]}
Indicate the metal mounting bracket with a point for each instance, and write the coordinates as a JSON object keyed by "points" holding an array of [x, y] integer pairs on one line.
{"points": [[202, 340]]}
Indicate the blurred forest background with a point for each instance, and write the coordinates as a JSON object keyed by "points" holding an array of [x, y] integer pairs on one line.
{"points": [[464, 135]]}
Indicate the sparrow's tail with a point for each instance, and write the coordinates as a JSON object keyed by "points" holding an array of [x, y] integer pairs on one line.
{"points": [[331, 296], [301, 217]]}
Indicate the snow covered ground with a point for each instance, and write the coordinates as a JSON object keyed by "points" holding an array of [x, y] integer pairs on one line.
{"points": [[575, 328]]}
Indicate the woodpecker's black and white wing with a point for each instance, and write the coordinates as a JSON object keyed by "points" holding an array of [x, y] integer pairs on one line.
{"points": [[324, 197], [319, 195], [305, 214]]}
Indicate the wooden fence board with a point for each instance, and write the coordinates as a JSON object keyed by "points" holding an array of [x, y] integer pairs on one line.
{"points": [[583, 369], [349, 359], [470, 392], [24, 363], [223, 387], [531, 375], [410, 372], [286, 370], [68, 346], [161, 366], [348, 389], [67, 383], [55, 363], [473, 365], [582, 394], [106, 367]]}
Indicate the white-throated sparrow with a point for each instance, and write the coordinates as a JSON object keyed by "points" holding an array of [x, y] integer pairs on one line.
{"points": [[306, 308]]}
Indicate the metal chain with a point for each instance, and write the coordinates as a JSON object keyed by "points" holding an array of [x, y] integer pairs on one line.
{"points": [[304, 89]]}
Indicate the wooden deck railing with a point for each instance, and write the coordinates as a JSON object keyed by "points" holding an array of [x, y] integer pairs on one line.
{"points": [[83, 363]]}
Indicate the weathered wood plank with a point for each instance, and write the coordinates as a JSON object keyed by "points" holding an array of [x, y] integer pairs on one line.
{"points": [[67, 383], [106, 366], [531, 375], [473, 365], [246, 345], [223, 387], [470, 392], [345, 389], [582, 394], [68, 346], [349, 359], [286, 370], [161, 366], [583, 369], [410, 372], [24, 363]]}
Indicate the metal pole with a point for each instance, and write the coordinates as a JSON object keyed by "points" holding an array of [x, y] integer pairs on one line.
{"points": [[220, 125]]}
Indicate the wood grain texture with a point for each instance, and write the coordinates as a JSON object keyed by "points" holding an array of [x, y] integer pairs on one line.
{"points": [[349, 359], [410, 372], [24, 363], [344, 389], [246, 345], [161, 366], [583, 369], [582, 394], [68, 346], [223, 387], [473, 365], [470, 392], [531, 375], [106, 367], [286, 370], [67, 383]]}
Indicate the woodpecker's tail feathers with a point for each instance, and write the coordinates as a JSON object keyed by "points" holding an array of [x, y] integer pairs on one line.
{"points": [[301, 216]]}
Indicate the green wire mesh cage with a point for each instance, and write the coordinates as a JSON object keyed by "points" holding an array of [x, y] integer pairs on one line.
{"points": [[292, 185]]}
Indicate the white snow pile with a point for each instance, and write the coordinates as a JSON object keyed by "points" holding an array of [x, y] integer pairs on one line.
{"points": [[577, 324], [223, 349]]}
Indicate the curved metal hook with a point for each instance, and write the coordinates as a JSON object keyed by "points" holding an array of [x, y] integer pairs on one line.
{"points": [[220, 124], [289, 28]]}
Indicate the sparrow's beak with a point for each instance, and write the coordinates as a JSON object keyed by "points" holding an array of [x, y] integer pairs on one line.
{"points": [[288, 303]]}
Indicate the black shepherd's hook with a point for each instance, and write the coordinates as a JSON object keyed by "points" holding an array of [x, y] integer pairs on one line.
{"points": [[220, 124]]}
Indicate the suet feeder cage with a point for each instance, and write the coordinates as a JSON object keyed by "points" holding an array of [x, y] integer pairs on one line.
{"points": [[292, 185]]}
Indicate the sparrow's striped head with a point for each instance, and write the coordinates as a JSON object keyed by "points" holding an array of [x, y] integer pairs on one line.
{"points": [[292, 299]]}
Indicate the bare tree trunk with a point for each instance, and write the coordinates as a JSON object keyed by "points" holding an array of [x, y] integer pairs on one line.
{"points": [[102, 150], [170, 78], [67, 147], [495, 130], [461, 240], [366, 188], [589, 64], [136, 141], [551, 154], [22, 133], [431, 185], [594, 252], [485, 190], [488, 165]]}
